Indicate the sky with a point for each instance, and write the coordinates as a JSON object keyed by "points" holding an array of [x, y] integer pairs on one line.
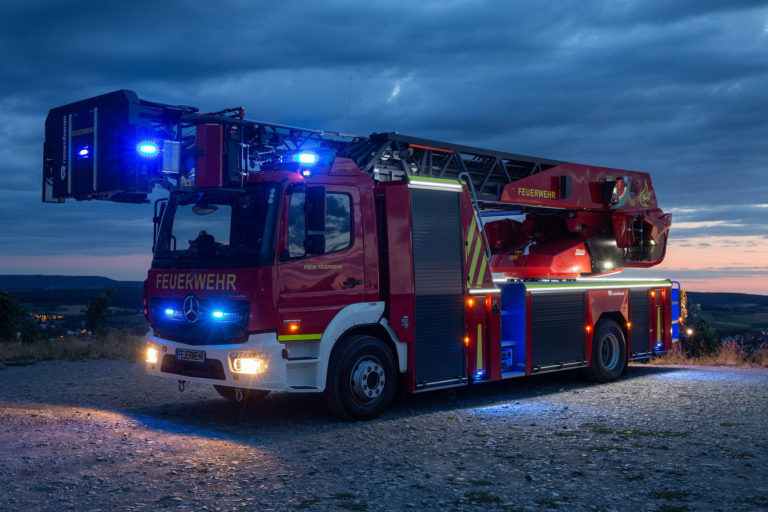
{"points": [[676, 89]]}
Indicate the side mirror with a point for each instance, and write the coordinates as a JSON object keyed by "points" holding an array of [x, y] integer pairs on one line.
{"points": [[315, 244], [314, 207]]}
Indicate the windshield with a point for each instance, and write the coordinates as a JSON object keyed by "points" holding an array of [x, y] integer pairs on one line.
{"points": [[218, 228]]}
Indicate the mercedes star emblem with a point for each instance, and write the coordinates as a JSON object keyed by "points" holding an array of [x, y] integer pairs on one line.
{"points": [[191, 309]]}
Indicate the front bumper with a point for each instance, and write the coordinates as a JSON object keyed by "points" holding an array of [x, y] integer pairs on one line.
{"points": [[216, 368]]}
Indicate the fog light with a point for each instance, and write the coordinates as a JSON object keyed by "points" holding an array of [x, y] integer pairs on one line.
{"points": [[248, 363], [152, 355]]}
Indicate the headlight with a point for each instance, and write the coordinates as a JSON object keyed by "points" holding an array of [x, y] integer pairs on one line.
{"points": [[248, 363]]}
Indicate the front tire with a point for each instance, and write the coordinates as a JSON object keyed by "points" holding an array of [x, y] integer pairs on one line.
{"points": [[609, 352], [241, 395], [361, 378]]}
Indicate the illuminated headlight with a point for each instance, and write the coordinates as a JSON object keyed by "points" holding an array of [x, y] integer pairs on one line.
{"points": [[249, 363], [152, 355]]}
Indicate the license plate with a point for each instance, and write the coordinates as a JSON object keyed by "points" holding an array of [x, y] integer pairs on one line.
{"points": [[198, 356]]}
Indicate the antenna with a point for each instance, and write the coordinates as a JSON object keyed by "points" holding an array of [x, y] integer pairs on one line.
{"points": [[349, 104]]}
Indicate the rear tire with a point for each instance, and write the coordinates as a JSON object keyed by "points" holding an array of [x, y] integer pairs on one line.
{"points": [[248, 395], [609, 352], [361, 378]]}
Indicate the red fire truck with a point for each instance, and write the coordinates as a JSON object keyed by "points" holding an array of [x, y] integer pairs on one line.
{"points": [[307, 261]]}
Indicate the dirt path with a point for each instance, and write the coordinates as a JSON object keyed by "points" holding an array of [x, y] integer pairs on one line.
{"points": [[100, 435]]}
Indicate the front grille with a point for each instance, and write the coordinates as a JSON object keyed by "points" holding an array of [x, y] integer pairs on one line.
{"points": [[206, 330], [209, 369]]}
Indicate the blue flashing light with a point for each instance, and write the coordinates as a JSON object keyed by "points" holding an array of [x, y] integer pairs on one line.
{"points": [[148, 149], [222, 316], [306, 158], [173, 314], [479, 375], [84, 152], [306, 173]]}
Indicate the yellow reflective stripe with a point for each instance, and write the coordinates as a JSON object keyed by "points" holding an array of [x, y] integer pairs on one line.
{"points": [[470, 237], [475, 254], [481, 274], [299, 337], [479, 346], [658, 323]]}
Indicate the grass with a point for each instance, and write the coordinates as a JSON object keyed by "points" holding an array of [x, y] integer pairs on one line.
{"points": [[669, 495], [728, 354], [115, 345], [668, 507], [482, 497], [736, 454], [307, 503], [598, 428], [651, 433], [757, 501], [352, 506], [550, 502]]}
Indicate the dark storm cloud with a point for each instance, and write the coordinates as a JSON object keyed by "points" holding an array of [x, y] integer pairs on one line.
{"points": [[675, 89]]}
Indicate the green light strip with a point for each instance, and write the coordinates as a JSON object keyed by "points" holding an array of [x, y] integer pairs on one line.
{"points": [[438, 180], [299, 337], [604, 285]]}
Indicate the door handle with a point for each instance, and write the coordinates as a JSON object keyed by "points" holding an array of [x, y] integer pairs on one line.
{"points": [[351, 281]]}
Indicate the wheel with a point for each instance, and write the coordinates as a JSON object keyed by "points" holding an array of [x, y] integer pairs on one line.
{"points": [[361, 378], [244, 395], [609, 352]]}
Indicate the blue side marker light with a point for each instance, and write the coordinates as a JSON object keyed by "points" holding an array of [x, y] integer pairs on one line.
{"points": [[84, 152], [306, 158], [148, 149]]}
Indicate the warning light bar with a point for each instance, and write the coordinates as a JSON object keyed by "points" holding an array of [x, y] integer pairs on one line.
{"points": [[148, 149], [306, 158]]}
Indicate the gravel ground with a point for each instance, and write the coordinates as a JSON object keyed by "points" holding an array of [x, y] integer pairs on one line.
{"points": [[101, 435]]}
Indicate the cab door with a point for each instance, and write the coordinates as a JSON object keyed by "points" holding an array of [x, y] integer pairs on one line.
{"points": [[313, 286]]}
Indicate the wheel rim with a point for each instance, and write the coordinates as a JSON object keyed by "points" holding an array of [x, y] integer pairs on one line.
{"points": [[609, 351], [368, 379]]}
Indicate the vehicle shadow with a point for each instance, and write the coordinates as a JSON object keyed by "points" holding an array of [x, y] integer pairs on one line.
{"points": [[281, 412]]}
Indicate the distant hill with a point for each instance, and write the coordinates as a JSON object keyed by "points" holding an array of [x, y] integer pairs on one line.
{"points": [[42, 292], [41, 282], [732, 312], [728, 300]]}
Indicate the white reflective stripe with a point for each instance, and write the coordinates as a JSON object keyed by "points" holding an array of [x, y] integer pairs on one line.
{"points": [[448, 187], [483, 291]]}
